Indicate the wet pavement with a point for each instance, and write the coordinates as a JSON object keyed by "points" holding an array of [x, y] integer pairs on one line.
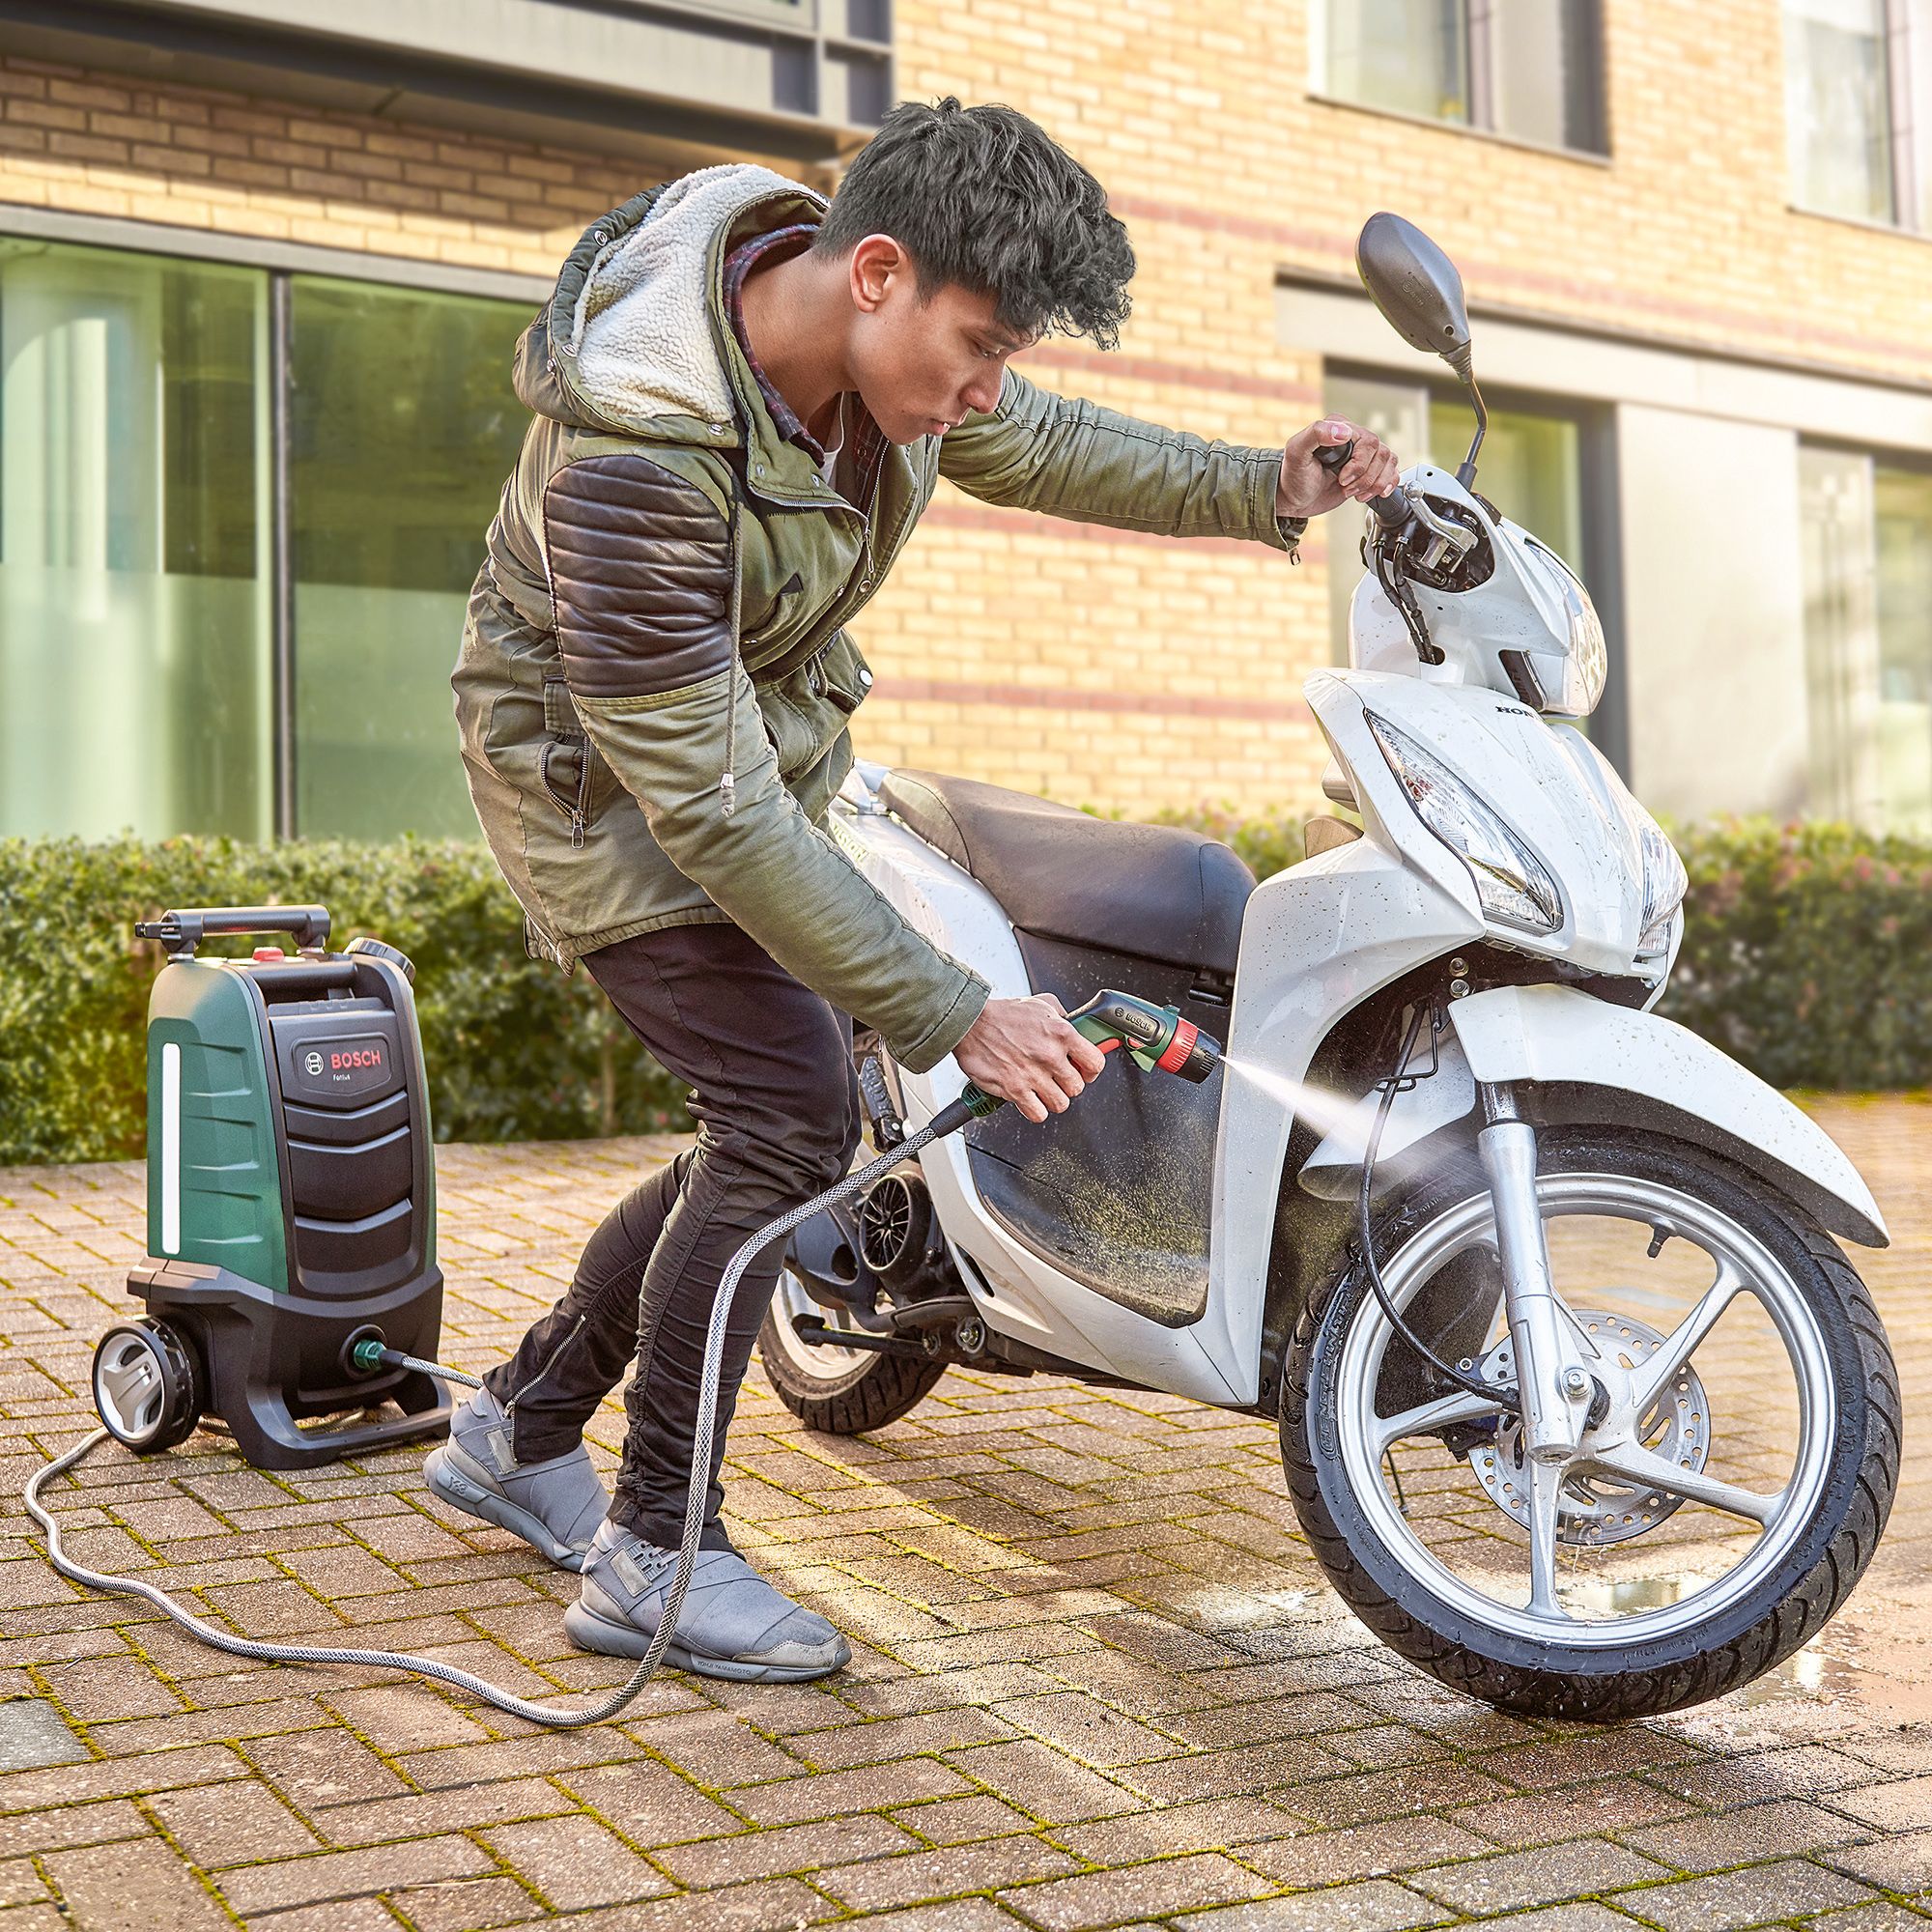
{"points": [[1097, 1680]]}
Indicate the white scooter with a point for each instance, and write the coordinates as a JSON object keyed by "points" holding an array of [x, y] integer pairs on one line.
{"points": [[1581, 1407]]}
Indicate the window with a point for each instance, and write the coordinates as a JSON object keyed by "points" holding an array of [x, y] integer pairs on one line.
{"points": [[1529, 69], [137, 545], [1857, 78], [134, 630], [1531, 468], [403, 426], [1868, 530]]}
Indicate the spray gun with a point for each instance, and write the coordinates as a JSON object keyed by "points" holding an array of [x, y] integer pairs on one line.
{"points": [[1156, 1039]]}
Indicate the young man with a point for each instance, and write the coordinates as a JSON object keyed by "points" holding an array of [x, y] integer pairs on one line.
{"points": [[743, 399]]}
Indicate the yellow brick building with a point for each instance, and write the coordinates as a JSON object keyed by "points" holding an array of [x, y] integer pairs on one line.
{"points": [[252, 265]]}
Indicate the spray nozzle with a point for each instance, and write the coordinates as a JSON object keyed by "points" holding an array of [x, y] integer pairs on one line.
{"points": [[1156, 1038]]}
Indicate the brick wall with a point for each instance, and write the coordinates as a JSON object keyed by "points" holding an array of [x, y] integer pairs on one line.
{"points": [[1098, 666]]}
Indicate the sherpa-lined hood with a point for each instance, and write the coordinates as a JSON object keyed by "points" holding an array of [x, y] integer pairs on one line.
{"points": [[633, 339]]}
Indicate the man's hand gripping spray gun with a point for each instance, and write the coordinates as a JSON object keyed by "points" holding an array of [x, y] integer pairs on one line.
{"points": [[1156, 1038]]}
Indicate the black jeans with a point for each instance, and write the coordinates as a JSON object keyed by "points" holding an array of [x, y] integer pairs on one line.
{"points": [[777, 1104]]}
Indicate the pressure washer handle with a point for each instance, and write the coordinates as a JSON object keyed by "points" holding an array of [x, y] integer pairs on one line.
{"points": [[1393, 510], [181, 932]]}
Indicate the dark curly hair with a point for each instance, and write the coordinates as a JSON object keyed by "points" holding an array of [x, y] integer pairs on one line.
{"points": [[984, 197]]}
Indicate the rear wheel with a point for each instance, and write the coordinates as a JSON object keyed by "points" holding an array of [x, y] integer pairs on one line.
{"points": [[842, 1391], [1720, 1509], [147, 1385]]}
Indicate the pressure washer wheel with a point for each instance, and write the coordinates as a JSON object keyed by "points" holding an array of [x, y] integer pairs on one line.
{"points": [[147, 1385]]}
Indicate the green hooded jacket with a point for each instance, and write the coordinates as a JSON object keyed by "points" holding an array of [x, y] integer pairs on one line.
{"points": [[656, 678]]}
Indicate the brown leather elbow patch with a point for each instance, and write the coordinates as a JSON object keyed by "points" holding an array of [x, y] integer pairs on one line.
{"points": [[641, 578]]}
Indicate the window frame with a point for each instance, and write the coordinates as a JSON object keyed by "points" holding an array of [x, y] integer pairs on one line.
{"points": [[1906, 38], [1479, 26], [279, 264]]}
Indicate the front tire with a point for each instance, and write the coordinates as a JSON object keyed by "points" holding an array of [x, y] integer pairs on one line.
{"points": [[840, 1391], [1427, 1579]]}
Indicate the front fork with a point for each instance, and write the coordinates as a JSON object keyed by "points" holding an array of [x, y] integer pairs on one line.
{"points": [[1552, 1356]]}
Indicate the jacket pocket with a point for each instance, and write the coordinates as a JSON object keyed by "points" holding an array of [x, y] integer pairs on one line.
{"points": [[844, 673], [568, 767], [806, 710]]}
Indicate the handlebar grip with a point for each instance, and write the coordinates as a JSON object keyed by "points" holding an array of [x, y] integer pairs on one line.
{"points": [[1393, 510]]}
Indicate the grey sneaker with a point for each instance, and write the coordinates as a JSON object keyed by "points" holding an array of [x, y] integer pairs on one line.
{"points": [[555, 1505], [731, 1623]]}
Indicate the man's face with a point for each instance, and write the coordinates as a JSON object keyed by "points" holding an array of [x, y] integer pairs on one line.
{"points": [[922, 365]]}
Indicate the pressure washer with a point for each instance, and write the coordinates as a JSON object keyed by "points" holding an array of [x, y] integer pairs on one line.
{"points": [[291, 1283]]}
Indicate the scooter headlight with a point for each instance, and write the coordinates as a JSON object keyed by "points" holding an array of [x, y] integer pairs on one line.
{"points": [[1664, 884], [1512, 884]]}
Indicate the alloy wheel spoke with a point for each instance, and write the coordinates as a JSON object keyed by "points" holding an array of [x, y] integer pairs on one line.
{"points": [[1650, 1378], [1640, 1466], [1421, 1420], [1546, 1489]]}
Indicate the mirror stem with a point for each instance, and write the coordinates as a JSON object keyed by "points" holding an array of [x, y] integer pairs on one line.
{"points": [[1465, 473]]}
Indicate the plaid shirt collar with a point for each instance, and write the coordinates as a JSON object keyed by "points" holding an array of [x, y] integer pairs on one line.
{"points": [[737, 265], [869, 444]]}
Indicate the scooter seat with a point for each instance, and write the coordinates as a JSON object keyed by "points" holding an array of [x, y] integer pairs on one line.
{"points": [[1160, 892]]}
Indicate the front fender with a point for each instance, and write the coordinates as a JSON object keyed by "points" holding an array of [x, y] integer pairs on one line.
{"points": [[1622, 1066]]}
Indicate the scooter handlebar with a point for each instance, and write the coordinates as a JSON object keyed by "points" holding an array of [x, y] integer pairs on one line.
{"points": [[1393, 510]]}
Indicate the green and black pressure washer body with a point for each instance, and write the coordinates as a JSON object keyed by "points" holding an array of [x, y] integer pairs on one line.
{"points": [[291, 1200]]}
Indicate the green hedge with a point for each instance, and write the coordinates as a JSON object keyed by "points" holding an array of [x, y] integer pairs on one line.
{"points": [[515, 1050], [1808, 948], [1808, 955]]}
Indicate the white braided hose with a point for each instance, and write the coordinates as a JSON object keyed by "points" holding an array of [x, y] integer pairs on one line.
{"points": [[428, 1666]]}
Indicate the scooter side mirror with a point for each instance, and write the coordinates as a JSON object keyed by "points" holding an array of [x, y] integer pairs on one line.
{"points": [[1416, 287]]}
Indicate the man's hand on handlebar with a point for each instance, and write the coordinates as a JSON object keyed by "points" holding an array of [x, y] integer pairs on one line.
{"points": [[1307, 489], [1024, 1051]]}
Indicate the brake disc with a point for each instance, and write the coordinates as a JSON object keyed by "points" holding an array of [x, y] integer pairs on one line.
{"points": [[1596, 1509]]}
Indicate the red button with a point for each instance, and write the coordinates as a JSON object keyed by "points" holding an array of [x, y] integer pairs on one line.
{"points": [[265, 954]]}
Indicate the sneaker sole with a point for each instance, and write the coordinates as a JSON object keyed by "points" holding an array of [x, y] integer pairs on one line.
{"points": [[447, 1480], [587, 1630]]}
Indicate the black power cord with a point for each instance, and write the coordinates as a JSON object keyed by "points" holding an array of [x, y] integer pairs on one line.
{"points": [[1400, 1081]]}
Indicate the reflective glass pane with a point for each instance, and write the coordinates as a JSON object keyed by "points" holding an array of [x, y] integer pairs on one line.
{"points": [[402, 428], [1544, 59], [133, 609], [1841, 635], [1529, 468], [1902, 511], [1837, 98], [1408, 55]]}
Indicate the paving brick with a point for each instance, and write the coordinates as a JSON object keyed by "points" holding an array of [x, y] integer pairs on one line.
{"points": [[1747, 1831], [230, 1824], [461, 1905], [1748, 1897], [1101, 1898], [1551, 1875], [1034, 1778], [575, 1861], [1377, 1906], [132, 1889], [343, 1875], [911, 1876], [1390, 1846]]}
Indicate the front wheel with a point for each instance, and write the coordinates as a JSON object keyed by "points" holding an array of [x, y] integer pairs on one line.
{"points": [[1725, 1500]]}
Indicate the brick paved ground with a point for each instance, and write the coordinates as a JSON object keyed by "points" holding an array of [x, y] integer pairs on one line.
{"points": [[1096, 1679]]}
